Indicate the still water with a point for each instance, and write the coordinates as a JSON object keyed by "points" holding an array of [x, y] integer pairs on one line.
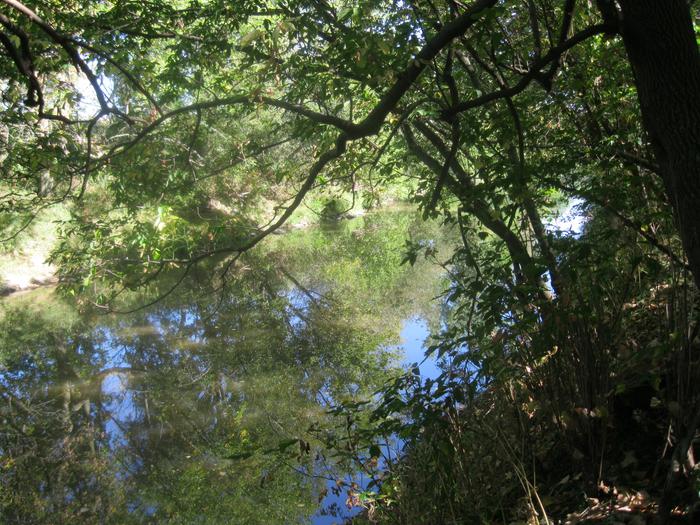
{"points": [[211, 406]]}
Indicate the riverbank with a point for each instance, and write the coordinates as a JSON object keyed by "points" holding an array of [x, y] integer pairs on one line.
{"points": [[26, 273], [24, 257]]}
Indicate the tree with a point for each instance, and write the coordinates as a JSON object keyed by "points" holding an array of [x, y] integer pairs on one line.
{"points": [[663, 52], [326, 66], [505, 110]]}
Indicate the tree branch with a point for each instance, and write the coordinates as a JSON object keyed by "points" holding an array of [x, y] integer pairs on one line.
{"points": [[532, 74], [371, 124], [320, 118], [65, 43]]}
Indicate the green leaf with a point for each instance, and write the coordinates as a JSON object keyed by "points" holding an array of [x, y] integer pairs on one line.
{"points": [[250, 37], [284, 445], [239, 455]]}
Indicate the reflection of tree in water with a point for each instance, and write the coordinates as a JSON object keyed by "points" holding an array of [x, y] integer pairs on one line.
{"points": [[127, 419]]}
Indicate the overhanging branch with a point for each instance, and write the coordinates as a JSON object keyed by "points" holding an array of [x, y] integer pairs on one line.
{"points": [[533, 73]]}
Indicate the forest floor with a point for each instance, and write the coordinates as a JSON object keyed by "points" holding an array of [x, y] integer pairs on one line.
{"points": [[635, 508]]}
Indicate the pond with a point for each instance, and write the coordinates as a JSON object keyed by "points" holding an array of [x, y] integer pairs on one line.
{"points": [[209, 406]]}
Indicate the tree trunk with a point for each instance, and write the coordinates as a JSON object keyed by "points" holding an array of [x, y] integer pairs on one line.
{"points": [[660, 43]]}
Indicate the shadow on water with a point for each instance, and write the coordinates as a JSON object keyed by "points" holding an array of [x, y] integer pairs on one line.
{"points": [[201, 408]]}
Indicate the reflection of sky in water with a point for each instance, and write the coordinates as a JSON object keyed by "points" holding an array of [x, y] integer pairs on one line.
{"points": [[298, 304], [414, 333], [121, 405], [179, 335]]}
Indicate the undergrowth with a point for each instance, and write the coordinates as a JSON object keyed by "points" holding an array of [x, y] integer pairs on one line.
{"points": [[582, 407]]}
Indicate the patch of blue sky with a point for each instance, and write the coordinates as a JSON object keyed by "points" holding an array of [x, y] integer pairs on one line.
{"points": [[571, 220]]}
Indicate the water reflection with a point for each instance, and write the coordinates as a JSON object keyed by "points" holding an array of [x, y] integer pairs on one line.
{"points": [[415, 332], [198, 409]]}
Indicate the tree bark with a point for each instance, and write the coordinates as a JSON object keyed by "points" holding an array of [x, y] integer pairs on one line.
{"points": [[661, 47]]}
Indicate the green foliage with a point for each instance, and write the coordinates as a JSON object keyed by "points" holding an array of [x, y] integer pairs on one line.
{"points": [[215, 119]]}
